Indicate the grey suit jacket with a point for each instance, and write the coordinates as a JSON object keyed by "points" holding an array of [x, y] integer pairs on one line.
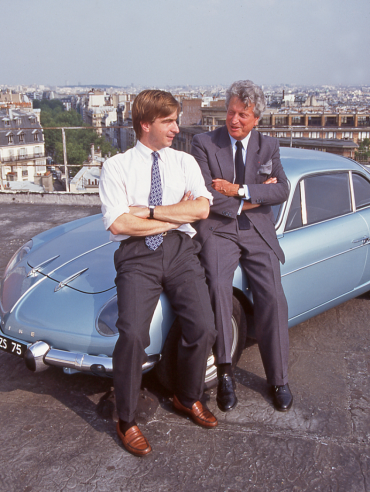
{"points": [[214, 154]]}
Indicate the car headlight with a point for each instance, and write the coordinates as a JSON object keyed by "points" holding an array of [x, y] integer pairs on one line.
{"points": [[18, 256], [107, 318]]}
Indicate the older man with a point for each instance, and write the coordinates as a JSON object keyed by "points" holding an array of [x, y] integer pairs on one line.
{"points": [[150, 195], [242, 169]]}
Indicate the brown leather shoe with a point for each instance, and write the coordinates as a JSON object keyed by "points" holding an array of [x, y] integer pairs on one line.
{"points": [[200, 414], [134, 441]]}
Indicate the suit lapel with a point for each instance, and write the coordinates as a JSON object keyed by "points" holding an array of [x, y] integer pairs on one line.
{"points": [[224, 156], [253, 160]]}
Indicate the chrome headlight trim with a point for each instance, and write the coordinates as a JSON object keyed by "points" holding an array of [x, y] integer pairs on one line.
{"points": [[18, 256], [105, 322]]}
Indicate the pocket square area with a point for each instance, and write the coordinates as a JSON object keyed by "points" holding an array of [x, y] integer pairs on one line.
{"points": [[265, 168]]}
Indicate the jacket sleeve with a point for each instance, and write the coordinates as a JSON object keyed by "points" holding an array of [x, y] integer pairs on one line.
{"points": [[222, 205], [271, 194]]}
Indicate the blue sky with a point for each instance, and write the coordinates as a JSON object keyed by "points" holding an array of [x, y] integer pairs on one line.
{"points": [[163, 42]]}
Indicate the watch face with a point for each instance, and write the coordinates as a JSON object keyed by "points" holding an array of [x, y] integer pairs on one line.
{"points": [[241, 191]]}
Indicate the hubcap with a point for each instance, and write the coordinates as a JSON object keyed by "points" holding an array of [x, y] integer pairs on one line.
{"points": [[211, 370]]}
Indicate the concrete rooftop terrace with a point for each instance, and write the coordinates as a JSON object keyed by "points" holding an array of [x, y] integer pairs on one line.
{"points": [[58, 433]]}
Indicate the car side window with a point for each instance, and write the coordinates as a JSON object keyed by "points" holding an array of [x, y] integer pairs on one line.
{"points": [[361, 187], [327, 196], [294, 219]]}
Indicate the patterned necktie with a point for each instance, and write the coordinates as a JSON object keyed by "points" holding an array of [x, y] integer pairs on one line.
{"points": [[155, 198], [243, 220]]}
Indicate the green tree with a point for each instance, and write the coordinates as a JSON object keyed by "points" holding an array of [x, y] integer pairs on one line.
{"points": [[363, 152], [78, 142]]}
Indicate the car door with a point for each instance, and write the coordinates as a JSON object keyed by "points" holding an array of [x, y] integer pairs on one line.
{"points": [[324, 243], [361, 191]]}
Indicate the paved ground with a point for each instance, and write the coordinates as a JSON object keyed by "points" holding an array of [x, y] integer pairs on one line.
{"points": [[53, 438]]}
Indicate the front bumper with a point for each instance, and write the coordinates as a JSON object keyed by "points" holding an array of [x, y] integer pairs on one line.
{"points": [[39, 356]]}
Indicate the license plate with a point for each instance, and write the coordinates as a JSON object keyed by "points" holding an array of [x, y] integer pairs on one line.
{"points": [[15, 348]]}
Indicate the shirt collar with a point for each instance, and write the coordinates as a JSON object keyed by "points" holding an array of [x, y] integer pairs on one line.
{"points": [[146, 152], [244, 141]]}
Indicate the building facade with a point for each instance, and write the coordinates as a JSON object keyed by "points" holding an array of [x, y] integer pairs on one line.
{"points": [[305, 123], [22, 147], [345, 148]]}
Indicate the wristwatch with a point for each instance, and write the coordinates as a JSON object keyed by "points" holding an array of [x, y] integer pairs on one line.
{"points": [[151, 211], [241, 191]]}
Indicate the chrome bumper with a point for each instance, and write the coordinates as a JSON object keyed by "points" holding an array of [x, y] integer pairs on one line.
{"points": [[40, 355]]}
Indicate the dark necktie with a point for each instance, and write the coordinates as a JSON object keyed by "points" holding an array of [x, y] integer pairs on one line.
{"points": [[155, 198], [243, 220]]}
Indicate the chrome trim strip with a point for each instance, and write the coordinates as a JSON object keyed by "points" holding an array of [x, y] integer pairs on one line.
{"points": [[38, 268], [324, 259], [320, 222], [352, 191], [68, 280], [303, 202]]}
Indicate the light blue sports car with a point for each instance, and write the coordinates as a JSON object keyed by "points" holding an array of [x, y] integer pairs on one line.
{"points": [[58, 297]]}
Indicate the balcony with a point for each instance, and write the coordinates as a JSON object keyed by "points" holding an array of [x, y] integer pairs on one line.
{"points": [[23, 157]]}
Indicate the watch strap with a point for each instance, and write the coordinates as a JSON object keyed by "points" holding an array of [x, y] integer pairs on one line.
{"points": [[151, 211]]}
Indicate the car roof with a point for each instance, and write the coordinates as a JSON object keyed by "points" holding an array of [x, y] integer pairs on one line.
{"points": [[297, 162]]}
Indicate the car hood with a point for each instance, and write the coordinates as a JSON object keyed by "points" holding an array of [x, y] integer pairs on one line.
{"points": [[80, 258]]}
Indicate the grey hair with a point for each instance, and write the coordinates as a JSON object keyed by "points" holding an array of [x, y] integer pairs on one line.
{"points": [[249, 93]]}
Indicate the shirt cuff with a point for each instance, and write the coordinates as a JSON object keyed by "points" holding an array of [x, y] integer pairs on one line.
{"points": [[206, 194], [246, 196], [111, 214]]}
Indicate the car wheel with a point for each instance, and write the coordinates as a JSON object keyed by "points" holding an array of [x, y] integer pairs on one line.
{"points": [[166, 368]]}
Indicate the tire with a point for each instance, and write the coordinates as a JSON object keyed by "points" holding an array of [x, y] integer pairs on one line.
{"points": [[166, 368]]}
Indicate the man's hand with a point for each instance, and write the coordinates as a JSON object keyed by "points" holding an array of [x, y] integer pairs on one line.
{"points": [[224, 187], [187, 196], [270, 181], [248, 205]]}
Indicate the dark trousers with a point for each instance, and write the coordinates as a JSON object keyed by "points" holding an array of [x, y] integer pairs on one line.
{"points": [[220, 256], [141, 277]]}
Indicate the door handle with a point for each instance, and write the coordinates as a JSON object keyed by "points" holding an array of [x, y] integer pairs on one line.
{"points": [[364, 240]]}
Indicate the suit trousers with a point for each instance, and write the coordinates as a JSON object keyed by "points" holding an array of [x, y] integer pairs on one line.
{"points": [[142, 275], [220, 256]]}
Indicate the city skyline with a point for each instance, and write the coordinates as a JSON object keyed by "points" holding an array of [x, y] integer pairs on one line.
{"points": [[207, 42]]}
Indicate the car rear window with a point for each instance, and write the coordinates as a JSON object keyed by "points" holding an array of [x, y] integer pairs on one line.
{"points": [[327, 196], [361, 187]]}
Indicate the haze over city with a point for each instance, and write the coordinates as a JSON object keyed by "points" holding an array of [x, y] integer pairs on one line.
{"points": [[194, 42]]}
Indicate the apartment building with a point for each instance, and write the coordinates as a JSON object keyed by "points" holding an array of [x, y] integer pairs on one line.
{"points": [[22, 147], [306, 123], [14, 100]]}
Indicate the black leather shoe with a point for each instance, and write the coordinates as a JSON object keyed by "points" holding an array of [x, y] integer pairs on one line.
{"points": [[226, 398], [282, 397]]}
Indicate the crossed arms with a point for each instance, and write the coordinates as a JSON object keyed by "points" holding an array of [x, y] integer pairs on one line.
{"points": [[225, 194], [231, 189], [166, 217]]}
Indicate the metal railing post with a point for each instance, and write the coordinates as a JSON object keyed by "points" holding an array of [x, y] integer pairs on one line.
{"points": [[65, 159], [1, 176]]}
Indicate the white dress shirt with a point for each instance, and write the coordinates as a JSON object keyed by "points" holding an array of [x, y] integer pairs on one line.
{"points": [[125, 182]]}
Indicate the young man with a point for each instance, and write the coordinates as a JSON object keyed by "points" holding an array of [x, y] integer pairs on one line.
{"points": [[242, 169], [150, 195]]}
